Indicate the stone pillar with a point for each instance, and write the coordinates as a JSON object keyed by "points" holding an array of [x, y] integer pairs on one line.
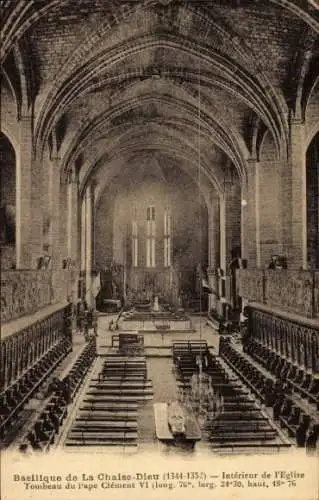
{"points": [[83, 233], [54, 210], [250, 239], [88, 260], [222, 226], [63, 250], [72, 196], [24, 195], [298, 256], [37, 209], [213, 252]]}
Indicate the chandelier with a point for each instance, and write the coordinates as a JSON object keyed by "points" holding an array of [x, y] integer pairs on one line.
{"points": [[205, 402]]}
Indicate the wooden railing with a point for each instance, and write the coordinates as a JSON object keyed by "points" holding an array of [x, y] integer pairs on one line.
{"points": [[290, 337], [21, 350], [292, 291]]}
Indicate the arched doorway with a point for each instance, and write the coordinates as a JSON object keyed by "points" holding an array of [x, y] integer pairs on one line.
{"points": [[312, 176], [8, 203]]}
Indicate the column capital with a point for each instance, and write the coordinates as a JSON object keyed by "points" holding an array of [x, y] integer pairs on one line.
{"points": [[296, 121], [25, 118], [252, 161]]}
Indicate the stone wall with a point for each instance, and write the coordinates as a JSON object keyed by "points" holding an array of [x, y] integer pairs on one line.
{"points": [[8, 257], [316, 294], [292, 291], [250, 284], [24, 292]]}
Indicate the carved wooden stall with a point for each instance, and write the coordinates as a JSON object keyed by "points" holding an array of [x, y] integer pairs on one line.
{"points": [[293, 338], [25, 347], [27, 358]]}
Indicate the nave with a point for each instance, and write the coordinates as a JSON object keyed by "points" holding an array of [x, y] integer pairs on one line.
{"points": [[109, 398]]}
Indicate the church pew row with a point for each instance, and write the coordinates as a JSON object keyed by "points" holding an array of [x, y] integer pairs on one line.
{"points": [[42, 435], [15, 397], [121, 398], [108, 411], [100, 416], [106, 425], [124, 384], [124, 440], [121, 391], [241, 419], [111, 406], [235, 437]]}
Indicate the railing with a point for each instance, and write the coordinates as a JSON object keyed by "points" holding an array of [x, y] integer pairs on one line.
{"points": [[292, 291], [20, 351], [24, 292], [293, 339]]}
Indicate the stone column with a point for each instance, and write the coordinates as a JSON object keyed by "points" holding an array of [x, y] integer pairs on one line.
{"points": [[83, 233], [54, 210], [250, 239], [88, 260], [222, 226], [37, 210], [24, 194], [72, 196], [298, 256], [63, 250], [213, 252]]}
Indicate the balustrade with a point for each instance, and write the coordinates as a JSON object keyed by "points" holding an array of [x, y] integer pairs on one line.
{"points": [[18, 352], [295, 341]]}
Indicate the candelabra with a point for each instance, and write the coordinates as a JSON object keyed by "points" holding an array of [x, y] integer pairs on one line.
{"points": [[205, 402]]}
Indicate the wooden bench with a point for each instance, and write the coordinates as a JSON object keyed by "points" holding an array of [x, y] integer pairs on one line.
{"points": [[106, 416], [116, 406], [98, 437], [245, 436], [111, 399], [240, 426], [125, 384], [105, 425], [238, 416]]}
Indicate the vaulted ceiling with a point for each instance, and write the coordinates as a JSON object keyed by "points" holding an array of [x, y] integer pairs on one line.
{"points": [[111, 82]]}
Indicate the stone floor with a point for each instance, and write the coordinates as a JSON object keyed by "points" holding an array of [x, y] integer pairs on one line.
{"points": [[160, 343], [160, 371]]}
